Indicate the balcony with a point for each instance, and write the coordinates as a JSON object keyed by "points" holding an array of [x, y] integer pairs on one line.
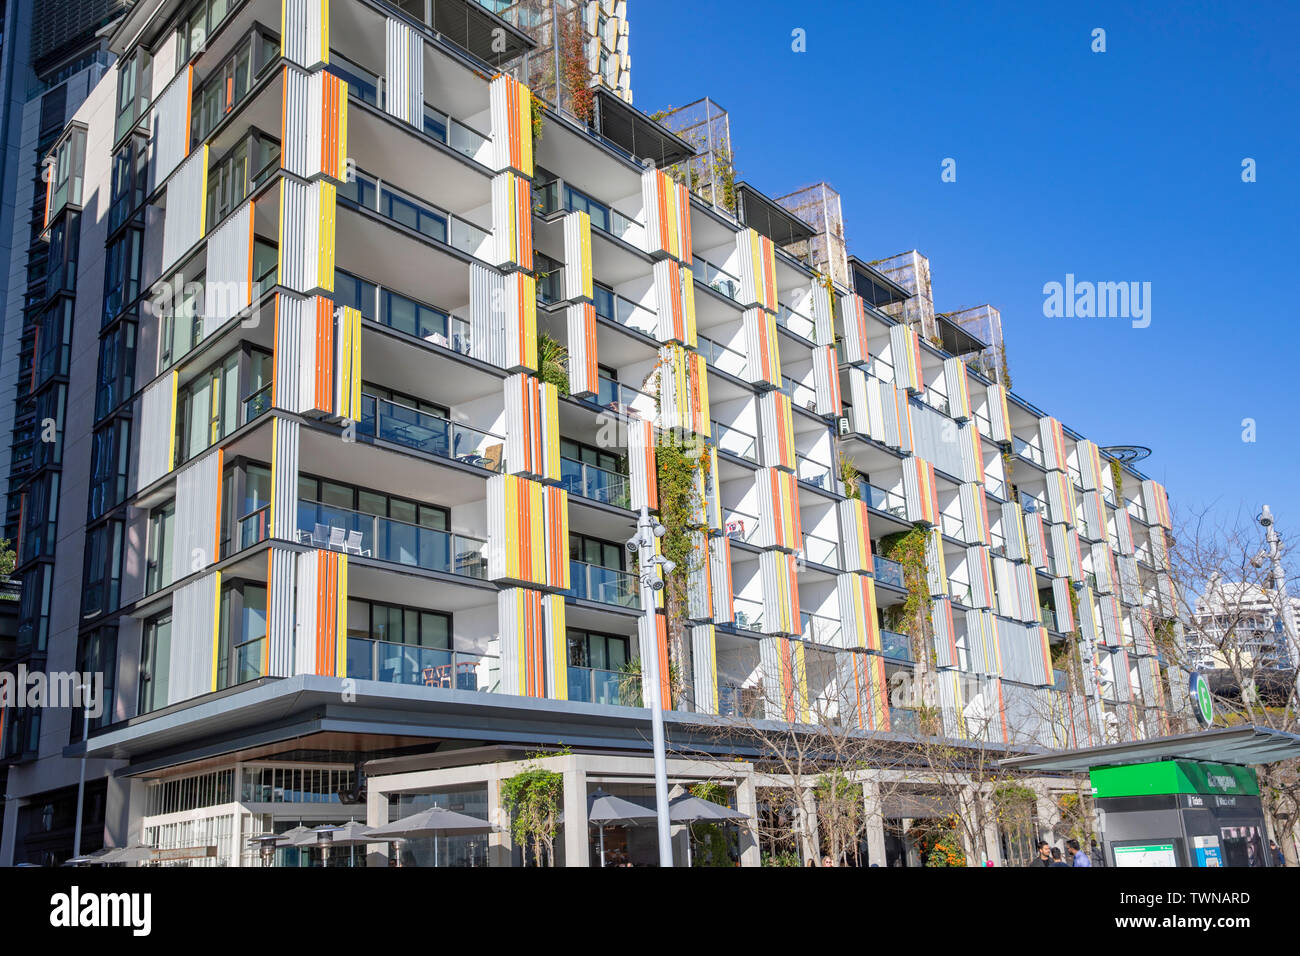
{"points": [[952, 526], [904, 720], [887, 571], [1026, 451], [1048, 618], [333, 528], [722, 358], [437, 225], [402, 314], [801, 396], [820, 629], [556, 197], [595, 484], [959, 592], [819, 550], [591, 582], [724, 283], [625, 312], [814, 472], [748, 614], [739, 525], [797, 323], [889, 502], [735, 442], [591, 685], [422, 666], [737, 701], [420, 431], [895, 646]]}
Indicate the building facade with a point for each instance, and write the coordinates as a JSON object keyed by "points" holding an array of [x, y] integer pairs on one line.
{"points": [[370, 359]]}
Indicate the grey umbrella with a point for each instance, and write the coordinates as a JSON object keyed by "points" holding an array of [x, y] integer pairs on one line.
{"points": [[352, 835], [688, 809], [428, 823], [135, 853], [605, 808]]}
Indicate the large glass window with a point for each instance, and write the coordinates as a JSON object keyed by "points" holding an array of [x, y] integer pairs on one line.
{"points": [[605, 554], [242, 634], [155, 660], [199, 24], [116, 382], [109, 463], [61, 257], [53, 341], [122, 264], [102, 585], [133, 81], [247, 505], [161, 532], [229, 84], [68, 171], [97, 654]]}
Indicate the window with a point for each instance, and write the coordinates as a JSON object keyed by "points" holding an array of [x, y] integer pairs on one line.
{"points": [[61, 257], [234, 177], [50, 404], [130, 164], [53, 339], [229, 84], [103, 578], [116, 381], [155, 660], [34, 611], [210, 407], [399, 625], [133, 81], [158, 573], [242, 634], [589, 455], [600, 651], [197, 26], [109, 462], [41, 513], [68, 172], [181, 327], [122, 262], [604, 554], [401, 645], [97, 654], [247, 505], [349, 290]]}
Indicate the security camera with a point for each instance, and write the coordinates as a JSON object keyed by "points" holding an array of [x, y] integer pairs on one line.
{"points": [[656, 585], [659, 530], [1257, 561], [668, 565], [633, 545]]}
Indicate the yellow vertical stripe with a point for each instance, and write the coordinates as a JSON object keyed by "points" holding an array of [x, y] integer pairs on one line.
{"points": [[216, 626]]}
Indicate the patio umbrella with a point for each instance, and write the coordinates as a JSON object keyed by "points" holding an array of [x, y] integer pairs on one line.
{"points": [[135, 853], [688, 809], [605, 808], [353, 834], [426, 823]]}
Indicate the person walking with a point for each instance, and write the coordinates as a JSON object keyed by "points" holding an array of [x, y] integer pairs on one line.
{"points": [[1044, 857], [1279, 858], [1094, 851], [1079, 857], [1056, 858]]}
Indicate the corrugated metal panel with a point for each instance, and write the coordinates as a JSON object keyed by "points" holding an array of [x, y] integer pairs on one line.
{"points": [[315, 124], [905, 348], [512, 222], [187, 194], [194, 632], [668, 216], [856, 596], [304, 38], [763, 358], [720, 574], [578, 280], [757, 257], [776, 431], [780, 578], [580, 319], [854, 319], [778, 510], [227, 288], [307, 235], [704, 668], [404, 73], [157, 430], [198, 493], [954, 378], [170, 141], [284, 479], [281, 613], [826, 381], [855, 534], [532, 428], [512, 130]]}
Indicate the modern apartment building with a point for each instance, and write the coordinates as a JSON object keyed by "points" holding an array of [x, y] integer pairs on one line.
{"points": [[346, 503]]}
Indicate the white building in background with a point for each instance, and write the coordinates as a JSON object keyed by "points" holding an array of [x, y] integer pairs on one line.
{"points": [[1241, 616]]}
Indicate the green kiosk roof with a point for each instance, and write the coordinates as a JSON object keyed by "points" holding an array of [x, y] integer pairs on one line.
{"points": [[1226, 745]]}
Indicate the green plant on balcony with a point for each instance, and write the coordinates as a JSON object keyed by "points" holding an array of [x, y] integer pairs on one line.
{"points": [[553, 363], [724, 179], [1004, 371], [1117, 479], [907, 548], [533, 799], [681, 469], [537, 110], [630, 683], [850, 478], [574, 67]]}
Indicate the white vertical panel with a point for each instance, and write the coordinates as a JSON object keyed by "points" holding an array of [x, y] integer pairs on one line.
{"points": [[308, 587], [186, 208], [226, 290], [720, 574], [487, 311], [281, 611], [704, 667], [304, 39], [197, 497], [170, 142], [194, 608], [156, 430], [404, 73], [284, 479]]}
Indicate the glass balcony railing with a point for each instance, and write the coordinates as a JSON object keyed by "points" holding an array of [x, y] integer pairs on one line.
{"points": [[820, 629], [749, 614], [555, 197], [257, 404], [739, 526], [819, 550], [1048, 618], [814, 472], [253, 528], [722, 358], [952, 526], [591, 685], [735, 442], [1026, 451], [960, 593], [889, 502], [430, 434], [590, 582], [596, 484], [903, 720], [625, 312], [737, 701], [798, 323], [624, 399], [984, 425], [452, 132], [887, 571], [367, 192], [895, 646], [386, 539], [716, 279], [422, 666]]}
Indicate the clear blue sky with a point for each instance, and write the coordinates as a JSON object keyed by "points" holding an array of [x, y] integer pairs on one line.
{"points": [[1115, 166]]}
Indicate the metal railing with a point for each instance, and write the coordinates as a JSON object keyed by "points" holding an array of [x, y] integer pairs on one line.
{"points": [[887, 571], [739, 525], [591, 685], [819, 629], [623, 399], [814, 472], [1026, 451], [591, 582], [735, 442], [895, 646], [819, 550], [722, 358], [889, 502], [431, 434], [716, 279], [802, 395], [749, 614], [596, 484], [796, 322], [395, 205], [386, 539], [412, 664], [625, 312]]}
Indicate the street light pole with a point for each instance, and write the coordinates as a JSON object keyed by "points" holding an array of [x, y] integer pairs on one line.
{"points": [[649, 564], [1273, 552]]}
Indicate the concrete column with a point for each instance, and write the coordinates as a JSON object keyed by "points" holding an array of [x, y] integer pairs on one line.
{"points": [[576, 836], [376, 816], [811, 850], [9, 838], [501, 843], [1049, 814], [747, 803], [874, 822]]}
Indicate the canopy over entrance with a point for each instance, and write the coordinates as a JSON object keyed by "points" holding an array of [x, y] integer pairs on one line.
{"points": [[1235, 745]]}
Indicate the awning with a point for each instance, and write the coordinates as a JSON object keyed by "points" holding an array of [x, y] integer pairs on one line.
{"points": [[636, 134], [771, 219], [1239, 745]]}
